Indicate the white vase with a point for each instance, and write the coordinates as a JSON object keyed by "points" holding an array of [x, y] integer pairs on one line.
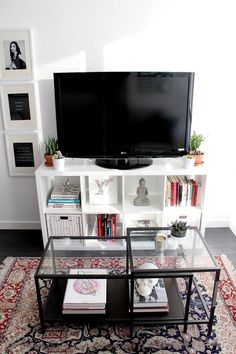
{"points": [[59, 164], [188, 161]]}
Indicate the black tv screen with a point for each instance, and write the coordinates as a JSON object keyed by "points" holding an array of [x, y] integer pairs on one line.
{"points": [[123, 114]]}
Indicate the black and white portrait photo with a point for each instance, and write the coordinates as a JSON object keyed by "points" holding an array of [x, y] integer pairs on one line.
{"points": [[15, 54]]}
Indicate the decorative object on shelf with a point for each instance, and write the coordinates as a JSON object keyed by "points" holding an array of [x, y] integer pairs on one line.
{"points": [[179, 228], [144, 286], [160, 242], [51, 146], [15, 54], [142, 193], [195, 143], [64, 196], [188, 161], [58, 161], [103, 189]]}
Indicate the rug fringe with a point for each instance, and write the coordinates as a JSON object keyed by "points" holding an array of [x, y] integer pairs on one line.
{"points": [[230, 268], [4, 267]]}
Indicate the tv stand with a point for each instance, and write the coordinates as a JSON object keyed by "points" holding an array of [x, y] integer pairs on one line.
{"points": [[123, 164]]}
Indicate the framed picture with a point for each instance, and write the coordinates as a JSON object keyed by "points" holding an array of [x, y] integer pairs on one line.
{"points": [[22, 153], [15, 54], [18, 107], [103, 189]]}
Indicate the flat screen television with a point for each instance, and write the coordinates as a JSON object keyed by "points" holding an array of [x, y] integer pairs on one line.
{"points": [[123, 119]]}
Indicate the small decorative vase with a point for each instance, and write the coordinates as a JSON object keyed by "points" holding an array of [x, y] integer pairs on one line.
{"points": [[59, 164], [188, 161]]}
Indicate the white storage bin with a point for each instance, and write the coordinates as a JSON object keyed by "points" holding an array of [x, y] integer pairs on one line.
{"points": [[64, 225]]}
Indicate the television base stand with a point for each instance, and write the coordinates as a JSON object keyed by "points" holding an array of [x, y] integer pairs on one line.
{"points": [[123, 164]]}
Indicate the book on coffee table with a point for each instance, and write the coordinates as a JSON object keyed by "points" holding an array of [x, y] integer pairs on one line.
{"points": [[156, 301], [84, 295]]}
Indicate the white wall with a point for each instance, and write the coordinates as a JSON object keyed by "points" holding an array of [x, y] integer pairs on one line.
{"points": [[170, 35]]}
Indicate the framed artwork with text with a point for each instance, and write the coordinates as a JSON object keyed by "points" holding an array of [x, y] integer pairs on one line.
{"points": [[22, 153], [18, 107]]}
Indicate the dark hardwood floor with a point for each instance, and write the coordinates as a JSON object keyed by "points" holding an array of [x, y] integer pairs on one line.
{"points": [[222, 241], [28, 243]]}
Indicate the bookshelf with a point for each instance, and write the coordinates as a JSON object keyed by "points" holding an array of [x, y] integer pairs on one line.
{"points": [[157, 214]]}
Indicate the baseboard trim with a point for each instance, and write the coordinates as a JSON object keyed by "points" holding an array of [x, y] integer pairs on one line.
{"points": [[20, 225]]}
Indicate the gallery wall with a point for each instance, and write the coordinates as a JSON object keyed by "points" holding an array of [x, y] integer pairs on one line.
{"points": [[116, 35]]}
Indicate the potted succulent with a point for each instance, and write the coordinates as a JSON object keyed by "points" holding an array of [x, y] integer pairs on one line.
{"points": [[58, 161], [194, 145], [188, 161], [178, 228], [51, 146]]}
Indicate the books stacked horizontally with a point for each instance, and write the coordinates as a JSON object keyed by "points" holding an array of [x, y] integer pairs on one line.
{"points": [[156, 301], [64, 197], [85, 296]]}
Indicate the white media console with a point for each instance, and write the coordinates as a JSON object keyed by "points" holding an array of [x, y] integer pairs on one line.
{"points": [[120, 199]]}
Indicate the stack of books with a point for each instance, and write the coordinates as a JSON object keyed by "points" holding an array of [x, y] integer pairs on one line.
{"points": [[64, 197], [85, 296], [157, 301]]}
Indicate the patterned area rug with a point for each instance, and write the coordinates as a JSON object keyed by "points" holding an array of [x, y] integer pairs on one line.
{"points": [[20, 328]]}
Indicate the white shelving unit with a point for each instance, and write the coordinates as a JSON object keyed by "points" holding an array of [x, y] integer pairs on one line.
{"points": [[128, 215]]}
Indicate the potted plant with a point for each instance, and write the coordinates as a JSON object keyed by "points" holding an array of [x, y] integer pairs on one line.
{"points": [[51, 146], [58, 161], [195, 143], [188, 161], [178, 228]]}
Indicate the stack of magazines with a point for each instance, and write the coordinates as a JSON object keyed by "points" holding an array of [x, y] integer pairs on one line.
{"points": [[156, 301], [64, 197], [85, 296]]}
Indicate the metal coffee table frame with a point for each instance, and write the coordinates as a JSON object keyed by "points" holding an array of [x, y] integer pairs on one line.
{"points": [[120, 304]]}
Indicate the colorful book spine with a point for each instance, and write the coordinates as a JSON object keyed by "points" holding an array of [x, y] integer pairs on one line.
{"points": [[64, 200], [99, 225], [113, 225]]}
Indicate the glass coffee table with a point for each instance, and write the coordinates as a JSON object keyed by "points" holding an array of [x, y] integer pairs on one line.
{"points": [[181, 263], [120, 261], [63, 254]]}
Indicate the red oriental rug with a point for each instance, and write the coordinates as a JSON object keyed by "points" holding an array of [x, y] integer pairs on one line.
{"points": [[20, 328]]}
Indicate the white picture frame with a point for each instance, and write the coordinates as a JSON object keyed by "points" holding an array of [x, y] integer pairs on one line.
{"points": [[103, 189], [22, 153], [15, 54], [18, 107]]}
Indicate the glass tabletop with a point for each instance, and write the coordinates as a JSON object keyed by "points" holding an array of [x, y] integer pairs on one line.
{"points": [[62, 254], [158, 247]]}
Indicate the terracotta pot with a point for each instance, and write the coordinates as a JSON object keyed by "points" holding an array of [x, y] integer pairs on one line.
{"points": [[48, 160], [199, 159]]}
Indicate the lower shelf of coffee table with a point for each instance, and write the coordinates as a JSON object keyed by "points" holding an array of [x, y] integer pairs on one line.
{"points": [[117, 309]]}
